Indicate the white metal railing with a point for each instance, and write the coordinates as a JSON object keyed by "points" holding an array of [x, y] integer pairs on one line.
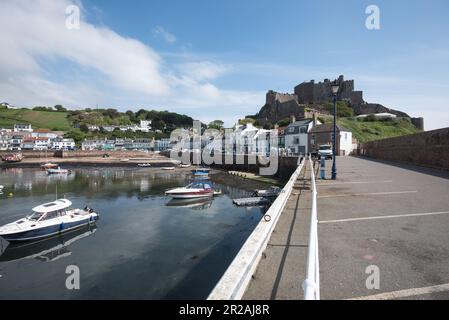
{"points": [[311, 284], [233, 283]]}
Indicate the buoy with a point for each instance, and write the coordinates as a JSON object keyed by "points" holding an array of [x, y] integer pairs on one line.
{"points": [[10, 194]]}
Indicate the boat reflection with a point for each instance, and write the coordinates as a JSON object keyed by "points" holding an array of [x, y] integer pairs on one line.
{"points": [[46, 250], [195, 204]]}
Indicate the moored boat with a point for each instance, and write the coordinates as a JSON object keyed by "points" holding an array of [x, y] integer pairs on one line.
{"points": [[11, 158], [47, 220], [58, 170], [144, 165], [201, 172], [197, 189], [271, 192], [49, 165], [168, 168]]}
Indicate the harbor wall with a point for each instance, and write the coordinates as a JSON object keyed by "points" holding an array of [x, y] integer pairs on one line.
{"points": [[427, 149], [250, 163]]}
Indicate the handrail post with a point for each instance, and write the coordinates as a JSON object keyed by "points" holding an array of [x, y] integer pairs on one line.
{"points": [[311, 284]]}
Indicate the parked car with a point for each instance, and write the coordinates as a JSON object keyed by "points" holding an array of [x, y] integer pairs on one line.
{"points": [[325, 150]]}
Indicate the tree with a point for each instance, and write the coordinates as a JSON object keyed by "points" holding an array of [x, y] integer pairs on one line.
{"points": [[76, 135], [84, 128], [284, 122], [246, 121], [60, 108], [216, 124]]}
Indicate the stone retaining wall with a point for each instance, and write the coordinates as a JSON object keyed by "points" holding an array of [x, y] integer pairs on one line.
{"points": [[428, 149]]}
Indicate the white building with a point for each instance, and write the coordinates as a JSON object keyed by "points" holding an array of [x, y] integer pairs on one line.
{"points": [[4, 140], [62, 144], [161, 145], [23, 128], [323, 134], [145, 125], [296, 136], [91, 145], [384, 115], [44, 133]]}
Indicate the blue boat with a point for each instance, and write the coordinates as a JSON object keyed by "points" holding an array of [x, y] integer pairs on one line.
{"points": [[201, 172], [47, 220]]}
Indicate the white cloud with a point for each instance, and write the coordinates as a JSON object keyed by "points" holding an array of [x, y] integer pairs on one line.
{"points": [[44, 63], [205, 70], [167, 36]]}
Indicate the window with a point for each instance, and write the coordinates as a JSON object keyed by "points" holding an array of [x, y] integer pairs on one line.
{"points": [[296, 141], [303, 130]]}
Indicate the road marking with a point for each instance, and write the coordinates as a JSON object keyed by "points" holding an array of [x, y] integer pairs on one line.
{"points": [[353, 182], [366, 194], [405, 293], [386, 217]]}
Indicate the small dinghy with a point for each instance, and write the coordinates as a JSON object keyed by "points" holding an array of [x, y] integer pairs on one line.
{"points": [[168, 168], [58, 171], [47, 220], [143, 165], [184, 165], [271, 192]]}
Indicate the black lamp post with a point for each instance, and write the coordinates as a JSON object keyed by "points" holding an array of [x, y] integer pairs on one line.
{"points": [[335, 87]]}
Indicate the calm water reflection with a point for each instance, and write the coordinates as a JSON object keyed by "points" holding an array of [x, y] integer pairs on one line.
{"points": [[145, 246]]}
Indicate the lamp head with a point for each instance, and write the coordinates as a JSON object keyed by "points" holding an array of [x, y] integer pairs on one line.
{"points": [[335, 87]]}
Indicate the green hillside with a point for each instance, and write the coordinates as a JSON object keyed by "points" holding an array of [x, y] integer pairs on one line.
{"points": [[365, 131], [38, 119]]}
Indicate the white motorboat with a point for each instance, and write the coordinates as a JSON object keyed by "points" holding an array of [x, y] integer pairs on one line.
{"points": [[184, 165], [168, 168], [197, 189], [1, 188], [47, 220], [58, 171]]}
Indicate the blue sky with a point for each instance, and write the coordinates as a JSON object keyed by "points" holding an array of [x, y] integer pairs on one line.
{"points": [[216, 59]]}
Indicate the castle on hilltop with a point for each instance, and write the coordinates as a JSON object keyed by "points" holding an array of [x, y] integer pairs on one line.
{"points": [[311, 95]]}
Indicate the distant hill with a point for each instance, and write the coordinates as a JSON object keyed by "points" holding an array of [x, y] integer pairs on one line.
{"points": [[66, 120], [52, 120]]}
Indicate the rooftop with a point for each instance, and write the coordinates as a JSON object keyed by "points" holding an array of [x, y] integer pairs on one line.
{"points": [[327, 127]]}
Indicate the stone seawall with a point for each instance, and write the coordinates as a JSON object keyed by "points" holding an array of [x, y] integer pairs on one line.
{"points": [[428, 149], [253, 164]]}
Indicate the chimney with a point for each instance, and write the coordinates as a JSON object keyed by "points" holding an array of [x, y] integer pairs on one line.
{"points": [[315, 119], [292, 119]]}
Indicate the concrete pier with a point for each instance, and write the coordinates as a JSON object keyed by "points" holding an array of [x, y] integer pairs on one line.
{"points": [[383, 234]]}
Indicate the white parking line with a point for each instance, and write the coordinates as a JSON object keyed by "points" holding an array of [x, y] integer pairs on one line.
{"points": [[386, 217], [405, 293], [365, 194], [353, 182]]}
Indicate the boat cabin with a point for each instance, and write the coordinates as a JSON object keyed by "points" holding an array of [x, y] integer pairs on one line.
{"points": [[50, 210], [199, 185]]}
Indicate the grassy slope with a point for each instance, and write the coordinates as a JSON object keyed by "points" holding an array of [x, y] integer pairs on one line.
{"points": [[365, 131], [376, 130], [38, 119]]}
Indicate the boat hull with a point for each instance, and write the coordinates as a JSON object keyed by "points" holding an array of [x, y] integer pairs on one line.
{"points": [[48, 231], [191, 195]]}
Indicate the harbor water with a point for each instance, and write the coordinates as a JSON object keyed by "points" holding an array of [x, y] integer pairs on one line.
{"points": [[144, 246]]}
